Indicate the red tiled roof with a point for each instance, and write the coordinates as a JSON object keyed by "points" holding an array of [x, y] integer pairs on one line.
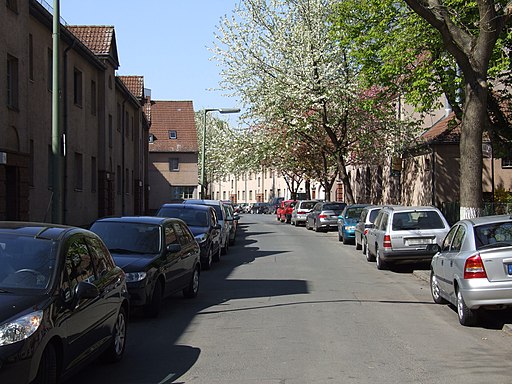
{"points": [[98, 38], [173, 116], [445, 130], [135, 85]]}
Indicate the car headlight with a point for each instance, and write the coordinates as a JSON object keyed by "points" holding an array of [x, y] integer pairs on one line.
{"points": [[133, 277], [351, 228], [21, 328], [201, 237]]}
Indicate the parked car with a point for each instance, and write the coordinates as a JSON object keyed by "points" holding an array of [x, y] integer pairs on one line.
{"points": [[405, 234], [202, 221], [301, 210], [222, 218], [367, 218], [347, 221], [473, 269], [232, 219], [274, 203], [260, 208], [158, 254], [63, 303], [284, 212], [324, 215]]}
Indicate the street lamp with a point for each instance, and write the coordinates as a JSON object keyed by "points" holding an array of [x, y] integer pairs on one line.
{"points": [[203, 148]]}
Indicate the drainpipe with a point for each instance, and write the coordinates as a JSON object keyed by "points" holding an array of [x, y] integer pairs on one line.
{"points": [[123, 160], [433, 161]]}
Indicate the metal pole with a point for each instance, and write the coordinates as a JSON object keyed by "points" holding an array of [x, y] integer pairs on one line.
{"points": [[203, 154], [57, 205]]}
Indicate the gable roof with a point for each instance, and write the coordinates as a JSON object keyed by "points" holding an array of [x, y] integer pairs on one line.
{"points": [[446, 130], [173, 116], [135, 85], [100, 39]]}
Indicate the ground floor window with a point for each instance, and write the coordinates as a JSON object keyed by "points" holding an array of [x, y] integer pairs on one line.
{"points": [[183, 192]]}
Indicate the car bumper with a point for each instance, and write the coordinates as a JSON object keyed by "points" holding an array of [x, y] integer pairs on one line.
{"points": [[481, 292], [326, 223], [407, 255], [139, 293], [16, 363]]}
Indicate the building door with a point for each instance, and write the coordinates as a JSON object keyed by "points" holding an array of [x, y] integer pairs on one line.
{"points": [[12, 182]]}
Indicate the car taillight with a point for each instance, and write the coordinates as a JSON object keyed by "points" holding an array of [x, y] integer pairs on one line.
{"points": [[387, 241], [365, 231], [474, 268], [301, 212], [322, 216]]}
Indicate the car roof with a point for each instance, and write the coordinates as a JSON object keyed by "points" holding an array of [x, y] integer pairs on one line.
{"points": [[203, 201], [398, 208], [197, 207], [488, 219], [156, 220], [34, 229]]}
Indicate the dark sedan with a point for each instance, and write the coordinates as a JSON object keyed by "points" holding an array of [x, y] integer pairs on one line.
{"points": [[202, 221], [159, 255], [63, 302]]}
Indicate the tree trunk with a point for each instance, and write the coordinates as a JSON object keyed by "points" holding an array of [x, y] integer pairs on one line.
{"points": [[348, 196], [475, 113]]}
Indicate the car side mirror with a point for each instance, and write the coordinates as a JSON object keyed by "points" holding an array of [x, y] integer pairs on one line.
{"points": [[173, 248], [84, 290]]}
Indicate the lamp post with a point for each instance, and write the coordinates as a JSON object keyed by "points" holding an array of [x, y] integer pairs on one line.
{"points": [[203, 147]]}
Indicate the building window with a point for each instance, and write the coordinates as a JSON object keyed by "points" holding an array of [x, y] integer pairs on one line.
{"points": [[151, 138], [49, 69], [119, 179], [506, 162], [30, 57], [94, 179], [126, 181], [182, 192], [77, 87], [94, 104], [174, 164], [79, 176], [110, 131], [173, 135], [119, 116], [12, 5], [12, 82], [110, 81]]}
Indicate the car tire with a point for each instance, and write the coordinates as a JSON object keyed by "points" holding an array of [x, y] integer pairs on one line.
{"points": [[369, 257], [47, 372], [224, 249], [152, 309], [307, 225], [193, 286], [435, 290], [381, 264], [216, 257], [467, 317], [358, 245], [115, 351], [207, 265], [345, 240]]}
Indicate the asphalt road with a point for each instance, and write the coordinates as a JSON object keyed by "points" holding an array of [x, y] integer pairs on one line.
{"points": [[291, 306]]}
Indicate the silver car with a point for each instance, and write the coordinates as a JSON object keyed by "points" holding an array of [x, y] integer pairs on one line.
{"points": [[324, 215], [301, 210], [405, 234], [473, 269]]}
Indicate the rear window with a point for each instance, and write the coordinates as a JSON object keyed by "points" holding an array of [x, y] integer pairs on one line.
{"points": [[193, 217], [403, 221], [307, 205], [495, 233], [334, 207]]}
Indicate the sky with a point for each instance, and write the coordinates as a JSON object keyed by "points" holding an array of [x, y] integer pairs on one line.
{"points": [[165, 41]]}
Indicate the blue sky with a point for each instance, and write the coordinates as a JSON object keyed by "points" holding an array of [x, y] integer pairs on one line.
{"points": [[165, 41]]}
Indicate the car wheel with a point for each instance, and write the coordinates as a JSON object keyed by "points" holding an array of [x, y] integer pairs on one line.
{"points": [[193, 286], [345, 240], [307, 225], [216, 257], [47, 371], [224, 249], [467, 317], [207, 265], [381, 264], [435, 290], [358, 245], [366, 251], [116, 349], [152, 309]]}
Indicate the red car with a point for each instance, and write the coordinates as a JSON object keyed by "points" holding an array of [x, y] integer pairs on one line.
{"points": [[284, 212]]}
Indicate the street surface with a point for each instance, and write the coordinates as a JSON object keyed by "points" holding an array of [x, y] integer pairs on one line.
{"points": [[291, 306]]}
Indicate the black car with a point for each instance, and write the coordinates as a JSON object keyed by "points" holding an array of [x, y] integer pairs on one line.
{"points": [[63, 302], [159, 255], [202, 221]]}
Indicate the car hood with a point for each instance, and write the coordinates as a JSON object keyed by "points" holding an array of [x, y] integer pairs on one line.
{"points": [[133, 263], [198, 230], [12, 303]]}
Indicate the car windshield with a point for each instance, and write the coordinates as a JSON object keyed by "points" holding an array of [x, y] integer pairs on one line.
{"points": [[193, 217], [121, 237], [493, 235], [353, 213], [403, 221], [25, 262]]}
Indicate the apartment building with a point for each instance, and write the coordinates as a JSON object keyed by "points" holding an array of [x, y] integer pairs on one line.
{"points": [[103, 126]]}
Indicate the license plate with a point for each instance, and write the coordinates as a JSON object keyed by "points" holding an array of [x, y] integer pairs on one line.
{"points": [[509, 266], [419, 241]]}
